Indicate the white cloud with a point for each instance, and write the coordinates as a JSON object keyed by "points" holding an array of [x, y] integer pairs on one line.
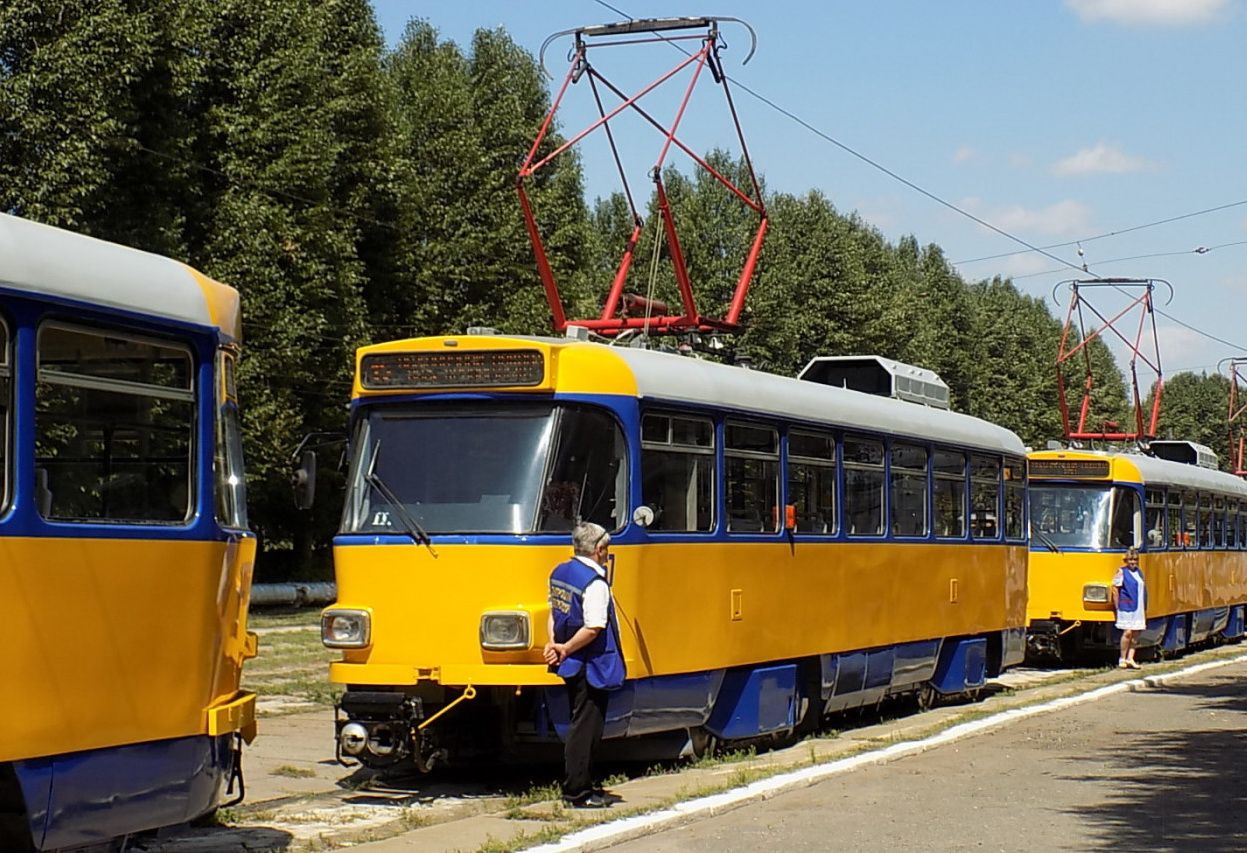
{"points": [[1101, 158], [1182, 348], [1235, 282], [1149, 12], [964, 153], [1065, 218]]}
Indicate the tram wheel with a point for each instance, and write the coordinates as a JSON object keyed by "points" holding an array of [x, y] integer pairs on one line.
{"points": [[701, 743], [928, 697]]}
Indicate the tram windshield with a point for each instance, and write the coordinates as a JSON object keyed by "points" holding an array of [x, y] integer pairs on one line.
{"points": [[487, 467], [1069, 516]]}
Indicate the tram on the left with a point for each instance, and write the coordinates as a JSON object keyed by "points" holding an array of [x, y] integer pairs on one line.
{"points": [[125, 558]]}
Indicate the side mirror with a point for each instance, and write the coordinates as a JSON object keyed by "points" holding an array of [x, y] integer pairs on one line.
{"points": [[304, 480], [643, 516]]}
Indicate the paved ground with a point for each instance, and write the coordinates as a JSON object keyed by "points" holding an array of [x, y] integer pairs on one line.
{"points": [[1047, 783], [1160, 769]]}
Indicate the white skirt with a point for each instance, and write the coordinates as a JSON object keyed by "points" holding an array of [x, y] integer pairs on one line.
{"points": [[1133, 620]]}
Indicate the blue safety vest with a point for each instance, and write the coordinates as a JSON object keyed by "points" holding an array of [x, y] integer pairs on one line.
{"points": [[600, 660], [1132, 590]]}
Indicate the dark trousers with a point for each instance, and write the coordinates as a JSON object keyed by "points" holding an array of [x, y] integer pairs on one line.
{"points": [[588, 717]]}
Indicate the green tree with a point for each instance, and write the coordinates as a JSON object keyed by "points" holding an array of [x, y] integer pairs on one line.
{"points": [[92, 102], [1195, 407], [283, 84]]}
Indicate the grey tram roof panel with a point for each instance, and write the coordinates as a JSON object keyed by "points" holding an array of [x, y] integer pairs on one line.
{"points": [[41, 259], [675, 379]]}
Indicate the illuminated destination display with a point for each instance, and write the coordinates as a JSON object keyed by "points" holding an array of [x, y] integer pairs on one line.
{"points": [[477, 369], [1072, 468]]}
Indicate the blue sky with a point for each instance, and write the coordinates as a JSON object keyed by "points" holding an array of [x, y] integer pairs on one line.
{"points": [[1053, 120]]}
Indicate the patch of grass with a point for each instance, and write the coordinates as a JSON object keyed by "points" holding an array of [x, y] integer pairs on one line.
{"points": [[283, 618], [535, 794], [292, 772]]}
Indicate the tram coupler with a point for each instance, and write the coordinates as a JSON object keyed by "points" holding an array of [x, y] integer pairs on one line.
{"points": [[235, 774], [379, 727], [1043, 640]]}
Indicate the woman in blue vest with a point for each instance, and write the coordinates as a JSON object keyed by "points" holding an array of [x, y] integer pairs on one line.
{"points": [[1129, 596], [584, 650]]}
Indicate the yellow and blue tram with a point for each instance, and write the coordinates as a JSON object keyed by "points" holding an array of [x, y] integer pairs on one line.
{"points": [[781, 548], [1188, 520], [125, 559]]}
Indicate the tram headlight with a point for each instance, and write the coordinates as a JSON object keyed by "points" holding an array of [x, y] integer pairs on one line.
{"points": [[505, 630], [1095, 593], [345, 629]]}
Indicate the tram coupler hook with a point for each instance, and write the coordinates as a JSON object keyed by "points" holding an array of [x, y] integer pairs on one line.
{"points": [[1077, 623], [235, 774]]}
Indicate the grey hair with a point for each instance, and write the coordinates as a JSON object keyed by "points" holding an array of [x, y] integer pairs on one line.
{"points": [[587, 537], [1132, 552]]}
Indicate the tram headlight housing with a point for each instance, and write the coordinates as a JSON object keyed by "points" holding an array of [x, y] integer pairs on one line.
{"points": [[1095, 593], [345, 629], [505, 630]]}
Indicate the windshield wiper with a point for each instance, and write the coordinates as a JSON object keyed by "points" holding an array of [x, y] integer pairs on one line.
{"points": [[413, 528], [1048, 543]]}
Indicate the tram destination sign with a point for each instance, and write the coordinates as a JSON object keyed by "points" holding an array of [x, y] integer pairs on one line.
{"points": [[475, 369], [1072, 468]]}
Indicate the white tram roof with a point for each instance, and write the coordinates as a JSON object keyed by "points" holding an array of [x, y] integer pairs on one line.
{"points": [[677, 379], [1163, 472], [43, 260]]}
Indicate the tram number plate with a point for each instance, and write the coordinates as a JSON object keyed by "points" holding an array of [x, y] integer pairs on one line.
{"points": [[1073, 468], [481, 368]]}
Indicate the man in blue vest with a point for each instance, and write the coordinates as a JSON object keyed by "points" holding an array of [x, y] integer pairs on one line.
{"points": [[584, 651]]}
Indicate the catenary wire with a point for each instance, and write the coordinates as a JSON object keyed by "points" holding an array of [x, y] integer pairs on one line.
{"points": [[1116, 233], [1030, 247]]}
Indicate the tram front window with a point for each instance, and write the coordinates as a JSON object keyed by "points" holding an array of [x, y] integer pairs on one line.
{"points": [[487, 468], [1070, 516]]}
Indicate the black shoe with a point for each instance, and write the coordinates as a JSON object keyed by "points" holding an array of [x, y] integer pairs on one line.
{"points": [[610, 797], [588, 801]]}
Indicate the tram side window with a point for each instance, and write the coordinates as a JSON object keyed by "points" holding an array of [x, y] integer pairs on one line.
{"points": [[1125, 511], [114, 427], [751, 457], [909, 490], [1218, 522], [5, 371], [812, 481], [1231, 523], [1177, 535], [863, 486], [1015, 498], [1155, 518], [1190, 520], [677, 471], [984, 497], [950, 494], [589, 479], [1205, 520]]}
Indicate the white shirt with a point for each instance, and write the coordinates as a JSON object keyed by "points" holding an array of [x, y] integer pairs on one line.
{"points": [[597, 597]]}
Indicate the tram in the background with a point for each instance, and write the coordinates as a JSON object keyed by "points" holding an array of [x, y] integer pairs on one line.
{"points": [[125, 560], [781, 548], [1188, 520]]}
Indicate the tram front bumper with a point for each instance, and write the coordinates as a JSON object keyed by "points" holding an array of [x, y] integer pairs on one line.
{"points": [[236, 714]]}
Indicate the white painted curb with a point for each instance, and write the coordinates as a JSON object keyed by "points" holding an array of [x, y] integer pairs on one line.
{"points": [[605, 834]]}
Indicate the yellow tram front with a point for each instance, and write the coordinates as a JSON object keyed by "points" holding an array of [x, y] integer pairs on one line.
{"points": [[1187, 520], [781, 548]]}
